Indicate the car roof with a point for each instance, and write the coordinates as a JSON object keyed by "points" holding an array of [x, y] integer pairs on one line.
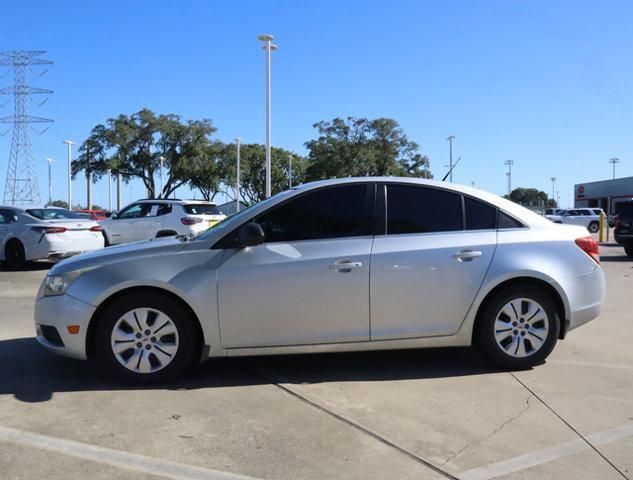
{"points": [[514, 209], [174, 201]]}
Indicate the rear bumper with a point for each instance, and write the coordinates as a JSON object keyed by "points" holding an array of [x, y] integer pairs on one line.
{"points": [[55, 314], [585, 294]]}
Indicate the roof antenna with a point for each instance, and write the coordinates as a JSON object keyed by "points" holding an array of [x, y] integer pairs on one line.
{"points": [[451, 169]]}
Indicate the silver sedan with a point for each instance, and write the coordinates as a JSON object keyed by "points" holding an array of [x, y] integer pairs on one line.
{"points": [[338, 265]]}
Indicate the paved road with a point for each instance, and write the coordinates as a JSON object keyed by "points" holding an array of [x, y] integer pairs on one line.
{"points": [[411, 414]]}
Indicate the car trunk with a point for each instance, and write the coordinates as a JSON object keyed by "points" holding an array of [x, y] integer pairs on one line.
{"points": [[75, 229]]}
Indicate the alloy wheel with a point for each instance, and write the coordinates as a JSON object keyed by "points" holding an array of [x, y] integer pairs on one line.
{"points": [[144, 340], [521, 327]]}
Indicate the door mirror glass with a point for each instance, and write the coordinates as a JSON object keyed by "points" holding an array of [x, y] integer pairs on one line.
{"points": [[250, 235]]}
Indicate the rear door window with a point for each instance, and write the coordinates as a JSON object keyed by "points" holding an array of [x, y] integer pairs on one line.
{"points": [[479, 215], [414, 209]]}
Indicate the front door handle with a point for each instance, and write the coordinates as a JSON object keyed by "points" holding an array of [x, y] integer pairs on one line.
{"points": [[345, 265], [466, 255]]}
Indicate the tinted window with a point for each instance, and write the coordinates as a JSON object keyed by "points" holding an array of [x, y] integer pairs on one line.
{"points": [[412, 209], [164, 209], [53, 214], [626, 212], [479, 215], [327, 213], [506, 221], [202, 209], [6, 216], [135, 211]]}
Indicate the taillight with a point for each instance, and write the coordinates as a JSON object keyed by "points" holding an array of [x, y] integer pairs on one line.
{"points": [[190, 220], [47, 230], [96, 228], [590, 247]]}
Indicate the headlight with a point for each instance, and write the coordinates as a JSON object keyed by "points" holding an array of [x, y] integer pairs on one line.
{"points": [[58, 284]]}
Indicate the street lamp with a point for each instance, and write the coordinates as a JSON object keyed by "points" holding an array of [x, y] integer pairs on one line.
{"points": [[509, 163], [290, 171], [269, 47], [161, 159], [238, 200], [50, 184], [109, 190], [70, 144], [553, 179], [614, 161]]}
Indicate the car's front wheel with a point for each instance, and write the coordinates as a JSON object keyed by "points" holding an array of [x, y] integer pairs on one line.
{"points": [[593, 227], [145, 338], [518, 327]]}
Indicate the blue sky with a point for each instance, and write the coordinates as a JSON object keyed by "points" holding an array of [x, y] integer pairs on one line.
{"points": [[547, 84]]}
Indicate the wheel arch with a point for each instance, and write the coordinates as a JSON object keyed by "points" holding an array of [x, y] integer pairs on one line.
{"points": [[554, 292], [90, 345]]}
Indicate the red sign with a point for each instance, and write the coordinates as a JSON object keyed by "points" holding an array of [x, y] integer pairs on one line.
{"points": [[580, 192]]}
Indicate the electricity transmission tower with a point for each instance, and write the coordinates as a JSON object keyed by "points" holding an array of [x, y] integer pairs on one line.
{"points": [[21, 186]]}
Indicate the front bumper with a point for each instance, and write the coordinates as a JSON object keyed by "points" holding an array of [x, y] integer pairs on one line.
{"points": [[585, 294], [59, 312]]}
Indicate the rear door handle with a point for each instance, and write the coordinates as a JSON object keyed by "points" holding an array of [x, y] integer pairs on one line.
{"points": [[466, 255], [345, 265]]}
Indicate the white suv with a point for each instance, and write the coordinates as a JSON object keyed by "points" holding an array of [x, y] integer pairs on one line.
{"points": [[585, 217], [152, 218]]}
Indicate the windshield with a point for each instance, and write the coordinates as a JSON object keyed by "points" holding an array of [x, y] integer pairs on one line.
{"points": [[54, 214], [237, 218], [202, 209]]}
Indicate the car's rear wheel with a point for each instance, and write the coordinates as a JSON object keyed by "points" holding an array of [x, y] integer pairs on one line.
{"points": [[145, 338], [14, 254], [593, 227], [628, 249], [518, 327]]}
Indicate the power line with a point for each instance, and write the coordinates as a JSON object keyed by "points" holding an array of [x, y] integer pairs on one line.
{"points": [[21, 186]]}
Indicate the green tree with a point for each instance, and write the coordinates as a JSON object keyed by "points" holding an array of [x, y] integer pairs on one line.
{"points": [[58, 204], [362, 147], [132, 146], [530, 197], [253, 171]]}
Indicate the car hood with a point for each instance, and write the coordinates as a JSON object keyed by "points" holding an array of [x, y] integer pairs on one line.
{"points": [[104, 256]]}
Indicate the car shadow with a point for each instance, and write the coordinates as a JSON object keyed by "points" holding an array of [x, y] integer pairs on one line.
{"points": [[616, 258], [32, 374], [33, 266]]}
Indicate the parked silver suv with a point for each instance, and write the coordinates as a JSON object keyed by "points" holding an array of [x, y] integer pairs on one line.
{"points": [[339, 265]]}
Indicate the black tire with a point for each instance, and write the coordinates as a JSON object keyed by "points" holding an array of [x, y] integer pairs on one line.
{"points": [[593, 227], [628, 249], [484, 334], [14, 254], [106, 242], [186, 331]]}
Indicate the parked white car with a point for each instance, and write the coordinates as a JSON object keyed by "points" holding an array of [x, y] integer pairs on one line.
{"points": [[44, 233], [147, 219], [585, 217]]}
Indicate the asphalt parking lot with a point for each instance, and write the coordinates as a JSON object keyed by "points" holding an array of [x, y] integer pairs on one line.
{"points": [[427, 414]]}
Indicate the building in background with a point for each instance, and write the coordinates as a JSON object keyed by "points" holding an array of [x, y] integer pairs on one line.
{"points": [[597, 194]]}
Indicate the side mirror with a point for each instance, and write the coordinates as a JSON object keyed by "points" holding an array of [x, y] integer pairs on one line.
{"points": [[113, 216], [250, 235]]}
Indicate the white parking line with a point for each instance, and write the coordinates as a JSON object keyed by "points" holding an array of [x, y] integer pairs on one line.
{"points": [[116, 458], [545, 455]]}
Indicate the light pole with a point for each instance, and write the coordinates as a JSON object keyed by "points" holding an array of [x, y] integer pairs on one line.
{"points": [[161, 159], [238, 200], [269, 47], [553, 179], [509, 163], [109, 190], [450, 157], [50, 183], [119, 194], [70, 144], [289, 171], [614, 160]]}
